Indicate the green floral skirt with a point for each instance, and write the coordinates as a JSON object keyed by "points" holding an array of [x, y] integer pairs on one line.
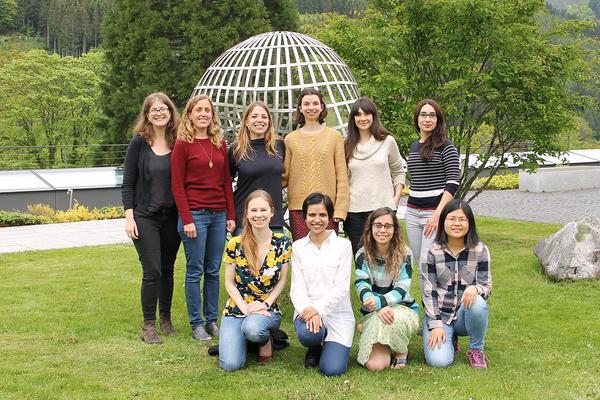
{"points": [[396, 335]]}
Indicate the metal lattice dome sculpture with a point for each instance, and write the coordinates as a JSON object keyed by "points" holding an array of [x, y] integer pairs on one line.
{"points": [[274, 67]]}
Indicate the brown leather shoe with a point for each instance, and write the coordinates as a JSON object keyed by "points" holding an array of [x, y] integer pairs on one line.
{"points": [[149, 334], [166, 326]]}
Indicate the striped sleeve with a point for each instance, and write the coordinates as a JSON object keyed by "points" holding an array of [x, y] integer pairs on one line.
{"points": [[451, 163], [362, 283], [401, 286]]}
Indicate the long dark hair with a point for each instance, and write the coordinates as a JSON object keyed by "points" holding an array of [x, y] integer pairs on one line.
{"points": [[299, 117], [472, 237], [438, 136], [397, 250], [377, 129]]}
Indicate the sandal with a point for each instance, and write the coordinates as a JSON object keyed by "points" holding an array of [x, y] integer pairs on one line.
{"points": [[398, 363]]}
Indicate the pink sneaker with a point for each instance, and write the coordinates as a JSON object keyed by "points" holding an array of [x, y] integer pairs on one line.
{"points": [[477, 358]]}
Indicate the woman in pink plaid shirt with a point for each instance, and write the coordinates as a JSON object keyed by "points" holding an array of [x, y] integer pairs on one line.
{"points": [[455, 283]]}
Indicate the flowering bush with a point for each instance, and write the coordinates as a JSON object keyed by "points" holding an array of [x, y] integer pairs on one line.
{"points": [[44, 214]]}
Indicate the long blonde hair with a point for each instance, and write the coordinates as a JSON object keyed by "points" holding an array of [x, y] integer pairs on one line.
{"points": [[241, 146], [397, 250], [144, 128], [186, 128], [249, 242]]}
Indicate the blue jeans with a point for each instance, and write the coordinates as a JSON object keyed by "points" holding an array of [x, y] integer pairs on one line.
{"points": [[234, 333], [415, 224], [334, 356], [203, 256], [471, 322]]}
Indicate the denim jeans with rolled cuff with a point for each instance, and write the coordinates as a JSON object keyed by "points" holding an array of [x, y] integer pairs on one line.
{"points": [[471, 322], [203, 255]]}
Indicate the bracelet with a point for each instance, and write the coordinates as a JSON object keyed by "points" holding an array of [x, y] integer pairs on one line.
{"points": [[266, 304]]}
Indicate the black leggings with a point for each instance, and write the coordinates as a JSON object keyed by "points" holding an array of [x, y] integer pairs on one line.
{"points": [[354, 226], [157, 246]]}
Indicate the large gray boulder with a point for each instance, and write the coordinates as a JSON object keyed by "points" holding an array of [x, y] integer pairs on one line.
{"points": [[573, 252]]}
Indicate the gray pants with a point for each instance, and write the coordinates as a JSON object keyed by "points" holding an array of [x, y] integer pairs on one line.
{"points": [[415, 225]]}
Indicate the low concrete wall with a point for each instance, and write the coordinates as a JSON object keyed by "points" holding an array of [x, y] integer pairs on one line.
{"points": [[559, 179], [59, 199]]}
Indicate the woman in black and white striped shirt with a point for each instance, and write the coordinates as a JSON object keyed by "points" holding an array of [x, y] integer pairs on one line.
{"points": [[433, 165]]}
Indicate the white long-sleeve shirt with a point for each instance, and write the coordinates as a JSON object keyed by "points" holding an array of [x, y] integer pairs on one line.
{"points": [[321, 278]]}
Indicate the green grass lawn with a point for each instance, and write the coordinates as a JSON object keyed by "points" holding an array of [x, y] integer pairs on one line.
{"points": [[71, 320]]}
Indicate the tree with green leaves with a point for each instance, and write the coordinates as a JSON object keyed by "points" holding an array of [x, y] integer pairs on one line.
{"points": [[54, 102], [8, 12], [167, 46], [283, 15], [503, 82]]}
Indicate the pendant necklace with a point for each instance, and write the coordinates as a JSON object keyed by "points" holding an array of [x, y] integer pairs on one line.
{"points": [[210, 163]]}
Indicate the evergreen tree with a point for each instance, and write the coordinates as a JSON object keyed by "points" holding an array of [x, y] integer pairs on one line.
{"points": [[283, 15], [166, 46], [8, 11]]}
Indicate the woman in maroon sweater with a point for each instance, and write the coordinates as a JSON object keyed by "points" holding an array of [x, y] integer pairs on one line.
{"points": [[202, 190]]}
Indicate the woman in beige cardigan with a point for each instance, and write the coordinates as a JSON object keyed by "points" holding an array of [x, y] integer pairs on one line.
{"points": [[376, 168], [314, 162]]}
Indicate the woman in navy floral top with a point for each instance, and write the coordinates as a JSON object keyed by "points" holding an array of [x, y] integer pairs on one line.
{"points": [[255, 274]]}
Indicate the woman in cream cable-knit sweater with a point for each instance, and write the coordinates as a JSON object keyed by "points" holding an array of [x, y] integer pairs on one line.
{"points": [[314, 162], [376, 168]]}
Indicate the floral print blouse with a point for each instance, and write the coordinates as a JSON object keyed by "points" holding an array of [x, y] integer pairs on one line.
{"points": [[257, 287]]}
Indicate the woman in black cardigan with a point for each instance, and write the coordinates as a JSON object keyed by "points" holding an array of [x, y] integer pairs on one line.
{"points": [[150, 212]]}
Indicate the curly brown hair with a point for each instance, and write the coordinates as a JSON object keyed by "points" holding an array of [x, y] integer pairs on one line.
{"points": [[144, 128], [397, 251], [186, 128]]}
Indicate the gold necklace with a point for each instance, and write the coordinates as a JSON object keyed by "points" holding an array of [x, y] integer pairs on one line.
{"points": [[210, 163]]}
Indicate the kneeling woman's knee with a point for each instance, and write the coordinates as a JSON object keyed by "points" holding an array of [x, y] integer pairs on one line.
{"points": [[438, 362], [376, 365], [333, 369], [306, 337], [334, 359], [439, 357], [479, 308], [256, 333]]}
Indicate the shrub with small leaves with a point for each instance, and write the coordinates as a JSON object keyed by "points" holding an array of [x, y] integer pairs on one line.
{"points": [[44, 214], [15, 218], [80, 212], [498, 182]]}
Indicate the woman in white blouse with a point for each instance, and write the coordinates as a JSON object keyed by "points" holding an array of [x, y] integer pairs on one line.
{"points": [[320, 291], [376, 169]]}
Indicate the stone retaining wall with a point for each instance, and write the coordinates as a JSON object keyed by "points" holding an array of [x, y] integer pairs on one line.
{"points": [[560, 179]]}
